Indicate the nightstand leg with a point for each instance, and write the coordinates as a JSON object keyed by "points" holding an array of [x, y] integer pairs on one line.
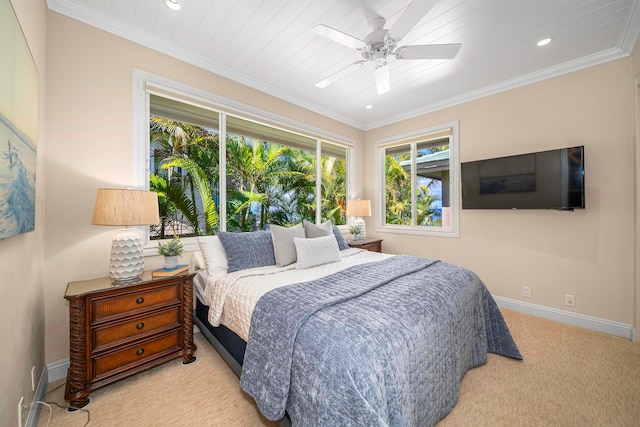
{"points": [[77, 398], [77, 375], [187, 324]]}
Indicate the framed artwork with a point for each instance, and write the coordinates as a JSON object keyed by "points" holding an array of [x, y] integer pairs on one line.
{"points": [[18, 127]]}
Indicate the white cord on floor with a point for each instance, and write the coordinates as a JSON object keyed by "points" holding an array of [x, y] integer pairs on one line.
{"points": [[48, 405]]}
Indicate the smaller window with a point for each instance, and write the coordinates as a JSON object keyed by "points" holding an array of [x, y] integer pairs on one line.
{"points": [[418, 176]]}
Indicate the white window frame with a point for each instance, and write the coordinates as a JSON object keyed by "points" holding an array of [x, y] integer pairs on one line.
{"points": [[454, 176], [144, 82]]}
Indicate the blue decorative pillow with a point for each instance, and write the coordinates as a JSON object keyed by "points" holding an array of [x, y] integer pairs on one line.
{"points": [[248, 250], [342, 244]]}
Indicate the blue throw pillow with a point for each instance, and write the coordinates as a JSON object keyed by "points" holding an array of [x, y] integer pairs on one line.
{"points": [[342, 244], [248, 250]]}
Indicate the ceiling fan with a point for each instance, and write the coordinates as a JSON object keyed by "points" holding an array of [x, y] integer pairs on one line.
{"points": [[381, 43]]}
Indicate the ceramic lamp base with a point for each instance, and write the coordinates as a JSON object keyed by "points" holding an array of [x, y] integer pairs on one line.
{"points": [[363, 232], [127, 262]]}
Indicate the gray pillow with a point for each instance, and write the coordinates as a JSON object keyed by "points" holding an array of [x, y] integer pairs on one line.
{"points": [[283, 247], [247, 250], [312, 231]]}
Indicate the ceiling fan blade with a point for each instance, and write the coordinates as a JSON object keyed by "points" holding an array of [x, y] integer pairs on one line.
{"points": [[416, 10], [382, 79], [338, 36], [337, 76], [428, 51]]}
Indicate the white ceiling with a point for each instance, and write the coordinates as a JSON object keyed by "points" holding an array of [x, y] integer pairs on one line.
{"points": [[269, 45]]}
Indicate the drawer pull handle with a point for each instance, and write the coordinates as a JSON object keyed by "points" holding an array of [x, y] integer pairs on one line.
{"points": [[140, 351], [140, 300], [140, 325]]}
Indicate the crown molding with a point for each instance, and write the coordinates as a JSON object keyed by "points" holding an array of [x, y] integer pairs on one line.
{"points": [[631, 32]]}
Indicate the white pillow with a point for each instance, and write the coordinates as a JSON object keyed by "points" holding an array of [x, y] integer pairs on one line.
{"points": [[283, 247], [197, 260], [316, 251], [215, 257]]}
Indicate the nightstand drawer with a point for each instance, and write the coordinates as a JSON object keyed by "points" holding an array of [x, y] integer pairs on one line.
{"points": [[109, 306], [167, 319], [139, 354]]}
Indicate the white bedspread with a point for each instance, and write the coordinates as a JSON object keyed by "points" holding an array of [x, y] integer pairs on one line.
{"points": [[232, 297]]}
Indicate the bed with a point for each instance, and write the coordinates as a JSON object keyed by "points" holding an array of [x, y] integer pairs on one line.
{"points": [[343, 336]]}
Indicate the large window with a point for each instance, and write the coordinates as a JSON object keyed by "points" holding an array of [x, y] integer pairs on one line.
{"points": [[418, 182], [218, 171]]}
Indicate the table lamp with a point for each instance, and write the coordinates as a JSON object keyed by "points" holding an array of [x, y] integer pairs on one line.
{"points": [[359, 208], [126, 208]]}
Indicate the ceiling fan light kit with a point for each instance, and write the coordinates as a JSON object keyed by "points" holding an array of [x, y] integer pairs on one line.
{"points": [[381, 43], [173, 4]]}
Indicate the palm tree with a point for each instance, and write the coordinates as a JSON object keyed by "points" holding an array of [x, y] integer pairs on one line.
{"points": [[398, 197], [188, 207], [426, 214], [258, 171], [267, 183], [334, 189], [398, 192], [185, 162]]}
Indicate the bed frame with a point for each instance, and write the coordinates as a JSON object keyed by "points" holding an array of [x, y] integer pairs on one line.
{"points": [[227, 343]]}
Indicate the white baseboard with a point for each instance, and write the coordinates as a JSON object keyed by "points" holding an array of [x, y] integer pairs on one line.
{"points": [[58, 369], [39, 396], [589, 322]]}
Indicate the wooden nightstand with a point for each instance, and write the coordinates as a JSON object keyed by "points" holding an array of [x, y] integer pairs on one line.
{"points": [[116, 331], [373, 245]]}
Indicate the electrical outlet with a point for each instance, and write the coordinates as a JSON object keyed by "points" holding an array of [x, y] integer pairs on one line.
{"points": [[20, 411], [570, 300], [33, 378], [526, 291]]}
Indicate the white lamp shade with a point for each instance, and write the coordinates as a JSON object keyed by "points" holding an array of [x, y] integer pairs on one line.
{"points": [[126, 207], [115, 206], [359, 208]]}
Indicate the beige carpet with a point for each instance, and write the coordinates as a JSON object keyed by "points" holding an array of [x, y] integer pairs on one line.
{"points": [[569, 377]]}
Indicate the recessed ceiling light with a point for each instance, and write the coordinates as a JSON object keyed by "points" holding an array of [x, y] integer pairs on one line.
{"points": [[544, 42], [369, 107], [173, 4]]}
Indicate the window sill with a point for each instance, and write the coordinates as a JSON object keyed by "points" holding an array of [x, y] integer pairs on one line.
{"points": [[189, 244], [421, 231]]}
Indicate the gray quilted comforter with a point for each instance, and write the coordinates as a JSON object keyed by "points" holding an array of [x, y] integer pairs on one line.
{"points": [[377, 344]]}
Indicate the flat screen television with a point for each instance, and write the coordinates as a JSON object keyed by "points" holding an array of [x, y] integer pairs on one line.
{"points": [[551, 179]]}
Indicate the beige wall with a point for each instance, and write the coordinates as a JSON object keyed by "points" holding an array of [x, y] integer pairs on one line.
{"points": [[89, 126], [587, 253], [636, 89], [22, 259]]}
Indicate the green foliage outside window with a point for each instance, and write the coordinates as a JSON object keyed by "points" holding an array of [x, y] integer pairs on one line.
{"points": [[267, 183], [398, 196]]}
